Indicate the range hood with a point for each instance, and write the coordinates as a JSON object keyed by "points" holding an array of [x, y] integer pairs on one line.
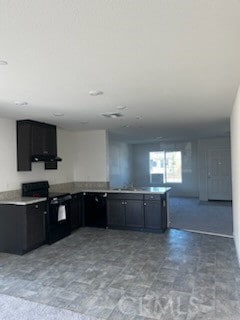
{"points": [[45, 158]]}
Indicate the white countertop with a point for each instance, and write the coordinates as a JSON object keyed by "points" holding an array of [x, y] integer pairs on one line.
{"points": [[22, 201], [157, 190]]}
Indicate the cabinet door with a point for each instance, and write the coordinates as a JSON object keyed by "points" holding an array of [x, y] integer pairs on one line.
{"points": [[164, 210], [37, 139], [44, 139], [35, 220], [76, 211], [50, 140], [12, 228], [134, 213], [116, 213], [24, 147], [152, 211]]}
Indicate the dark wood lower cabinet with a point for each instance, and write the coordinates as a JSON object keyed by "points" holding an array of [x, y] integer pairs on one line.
{"points": [[164, 209], [134, 214], [116, 213], [153, 215], [76, 211], [137, 211], [35, 224], [125, 210], [22, 227]]}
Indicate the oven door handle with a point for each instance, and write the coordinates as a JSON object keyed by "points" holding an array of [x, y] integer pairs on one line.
{"points": [[54, 201], [65, 198], [61, 200]]}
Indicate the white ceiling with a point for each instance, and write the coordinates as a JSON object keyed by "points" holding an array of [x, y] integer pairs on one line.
{"points": [[174, 63]]}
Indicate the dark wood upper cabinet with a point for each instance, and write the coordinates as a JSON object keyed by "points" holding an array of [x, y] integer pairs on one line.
{"points": [[44, 139], [34, 138], [24, 146]]}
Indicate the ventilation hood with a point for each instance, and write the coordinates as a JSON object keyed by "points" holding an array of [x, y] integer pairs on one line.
{"points": [[45, 158]]}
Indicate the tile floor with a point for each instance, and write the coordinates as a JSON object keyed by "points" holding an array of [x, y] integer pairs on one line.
{"points": [[110, 274]]}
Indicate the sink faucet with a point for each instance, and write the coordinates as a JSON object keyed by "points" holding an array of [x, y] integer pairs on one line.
{"points": [[131, 185]]}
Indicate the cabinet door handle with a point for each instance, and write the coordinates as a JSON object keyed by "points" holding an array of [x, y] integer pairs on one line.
{"points": [[123, 202], [105, 195], [45, 212], [126, 202], [144, 204], [96, 199], [36, 206], [164, 203]]}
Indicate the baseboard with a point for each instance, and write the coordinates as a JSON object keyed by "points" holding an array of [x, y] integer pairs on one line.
{"points": [[209, 233]]}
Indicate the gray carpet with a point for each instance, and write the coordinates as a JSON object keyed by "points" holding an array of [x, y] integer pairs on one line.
{"points": [[12, 308], [211, 216]]}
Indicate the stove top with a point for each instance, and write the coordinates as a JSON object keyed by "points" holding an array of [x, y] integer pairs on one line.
{"points": [[40, 189]]}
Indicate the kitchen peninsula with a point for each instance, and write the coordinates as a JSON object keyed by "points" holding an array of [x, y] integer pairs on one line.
{"points": [[139, 209]]}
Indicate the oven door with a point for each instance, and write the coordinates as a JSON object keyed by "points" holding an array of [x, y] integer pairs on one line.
{"points": [[58, 221]]}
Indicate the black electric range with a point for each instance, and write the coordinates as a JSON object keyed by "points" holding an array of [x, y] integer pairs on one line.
{"points": [[58, 222]]}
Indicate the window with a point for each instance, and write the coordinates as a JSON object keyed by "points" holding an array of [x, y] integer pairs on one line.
{"points": [[165, 167]]}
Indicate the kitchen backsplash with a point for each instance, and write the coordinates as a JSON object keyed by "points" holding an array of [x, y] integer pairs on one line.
{"points": [[92, 185], [62, 187], [10, 194], [67, 187]]}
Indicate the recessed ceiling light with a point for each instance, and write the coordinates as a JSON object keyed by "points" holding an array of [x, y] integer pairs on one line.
{"points": [[3, 62], [112, 115], [121, 107], [83, 122], [21, 103], [95, 93], [58, 114]]}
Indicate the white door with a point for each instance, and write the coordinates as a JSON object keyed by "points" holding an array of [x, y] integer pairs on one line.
{"points": [[219, 174]]}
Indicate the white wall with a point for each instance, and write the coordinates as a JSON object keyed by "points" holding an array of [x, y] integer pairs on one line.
{"points": [[84, 154], [203, 146], [235, 152], [11, 179], [91, 156], [120, 163]]}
